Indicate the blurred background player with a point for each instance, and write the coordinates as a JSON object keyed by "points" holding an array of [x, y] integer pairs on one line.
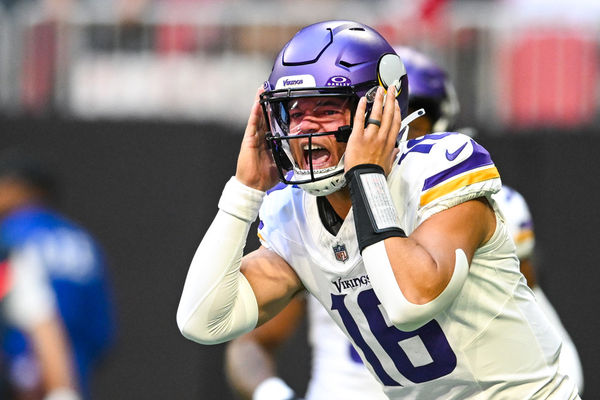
{"points": [[72, 287], [429, 88], [337, 371], [520, 225]]}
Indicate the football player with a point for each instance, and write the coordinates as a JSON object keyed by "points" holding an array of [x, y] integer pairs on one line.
{"points": [[337, 370], [520, 225], [401, 242]]}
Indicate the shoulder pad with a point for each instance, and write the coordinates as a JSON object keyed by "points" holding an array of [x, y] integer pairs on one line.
{"points": [[447, 169], [278, 206], [457, 161]]}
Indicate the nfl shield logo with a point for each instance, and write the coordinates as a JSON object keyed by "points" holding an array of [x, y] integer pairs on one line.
{"points": [[340, 252]]}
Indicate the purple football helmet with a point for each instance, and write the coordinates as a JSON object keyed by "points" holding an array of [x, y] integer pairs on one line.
{"points": [[333, 59], [430, 88]]}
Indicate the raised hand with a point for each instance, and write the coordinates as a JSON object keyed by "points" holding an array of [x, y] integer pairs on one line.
{"points": [[375, 144], [255, 166]]}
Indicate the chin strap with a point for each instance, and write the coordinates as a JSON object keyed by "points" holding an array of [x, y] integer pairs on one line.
{"points": [[343, 132], [403, 134]]}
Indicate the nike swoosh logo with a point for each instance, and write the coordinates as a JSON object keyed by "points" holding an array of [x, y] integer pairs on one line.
{"points": [[452, 156]]}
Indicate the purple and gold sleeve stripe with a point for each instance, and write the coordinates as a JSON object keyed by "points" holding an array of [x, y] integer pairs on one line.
{"points": [[474, 176], [258, 231], [478, 167], [479, 158], [524, 235]]}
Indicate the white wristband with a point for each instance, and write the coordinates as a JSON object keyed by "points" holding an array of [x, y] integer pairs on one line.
{"points": [[62, 394], [273, 388], [240, 200]]}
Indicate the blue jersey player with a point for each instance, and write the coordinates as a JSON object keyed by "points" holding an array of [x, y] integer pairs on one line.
{"points": [[43, 246]]}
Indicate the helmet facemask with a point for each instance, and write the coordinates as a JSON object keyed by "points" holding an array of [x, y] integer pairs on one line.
{"points": [[298, 118]]}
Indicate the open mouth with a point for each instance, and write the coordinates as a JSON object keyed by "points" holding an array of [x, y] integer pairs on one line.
{"points": [[320, 157]]}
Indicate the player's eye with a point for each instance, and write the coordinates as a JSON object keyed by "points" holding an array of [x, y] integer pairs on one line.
{"points": [[327, 111], [296, 114]]}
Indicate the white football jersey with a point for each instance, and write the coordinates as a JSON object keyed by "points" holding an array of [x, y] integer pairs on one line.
{"points": [[337, 369], [520, 225], [492, 342]]}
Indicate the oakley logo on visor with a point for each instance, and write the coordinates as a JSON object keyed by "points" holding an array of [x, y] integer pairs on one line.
{"points": [[338, 81]]}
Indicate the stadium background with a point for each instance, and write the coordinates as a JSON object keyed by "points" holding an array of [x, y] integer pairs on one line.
{"points": [[144, 132]]}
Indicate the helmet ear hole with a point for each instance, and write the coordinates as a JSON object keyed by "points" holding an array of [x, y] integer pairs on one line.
{"points": [[390, 71]]}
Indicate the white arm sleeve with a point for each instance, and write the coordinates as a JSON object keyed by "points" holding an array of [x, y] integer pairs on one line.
{"points": [[31, 299], [405, 315], [217, 303]]}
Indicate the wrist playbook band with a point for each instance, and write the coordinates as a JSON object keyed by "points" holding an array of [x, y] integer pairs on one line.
{"points": [[375, 216]]}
